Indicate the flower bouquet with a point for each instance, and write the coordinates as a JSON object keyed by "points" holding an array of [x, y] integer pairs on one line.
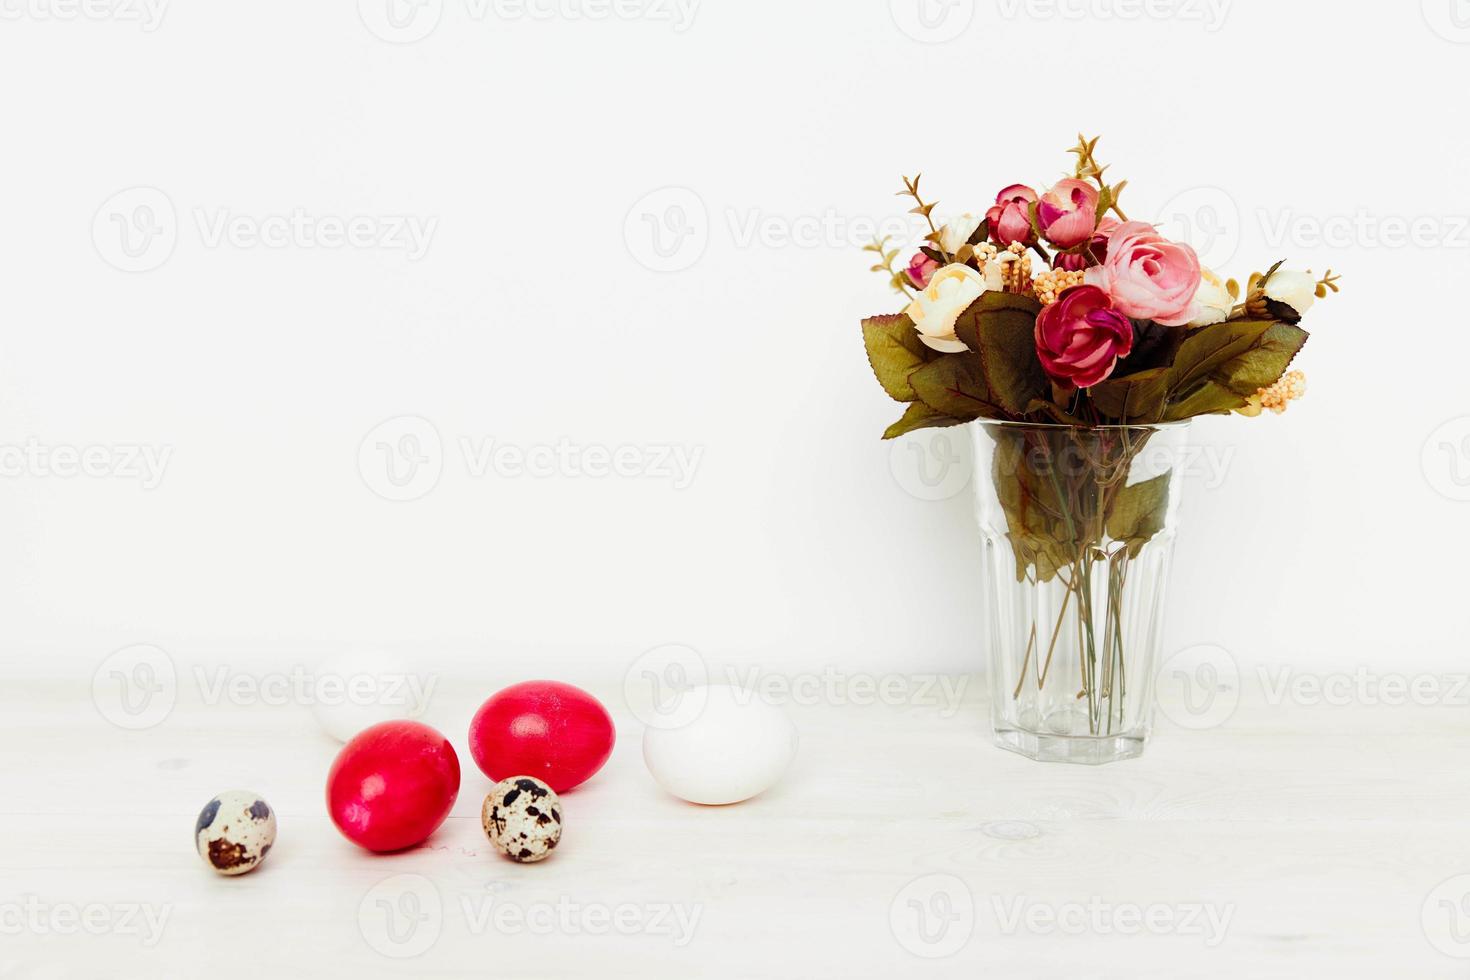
{"points": [[1080, 343]]}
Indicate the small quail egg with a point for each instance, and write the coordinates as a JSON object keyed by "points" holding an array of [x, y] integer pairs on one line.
{"points": [[522, 818], [234, 832]]}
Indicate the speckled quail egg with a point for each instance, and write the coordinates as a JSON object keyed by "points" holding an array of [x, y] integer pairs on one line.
{"points": [[234, 832], [522, 818]]}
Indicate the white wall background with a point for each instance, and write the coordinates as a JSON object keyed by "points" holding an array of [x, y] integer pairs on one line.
{"points": [[532, 144]]}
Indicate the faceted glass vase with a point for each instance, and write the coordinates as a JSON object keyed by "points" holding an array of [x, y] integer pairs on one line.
{"points": [[1078, 528]]}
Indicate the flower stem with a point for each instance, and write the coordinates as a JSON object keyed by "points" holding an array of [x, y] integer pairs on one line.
{"points": [[1030, 645]]}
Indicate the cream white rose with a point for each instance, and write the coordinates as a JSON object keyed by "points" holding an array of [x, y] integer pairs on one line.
{"points": [[1297, 290], [952, 290], [1213, 302], [956, 233]]}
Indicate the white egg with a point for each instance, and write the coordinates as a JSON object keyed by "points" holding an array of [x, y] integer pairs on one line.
{"points": [[728, 746], [234, 832], [357, 690]]}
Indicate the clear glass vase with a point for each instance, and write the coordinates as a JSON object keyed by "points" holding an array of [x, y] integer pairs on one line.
{"points": [[1078, 527]]}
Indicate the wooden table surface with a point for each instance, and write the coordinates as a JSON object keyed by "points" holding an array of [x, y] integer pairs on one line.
{"points": [[1292, 839]]}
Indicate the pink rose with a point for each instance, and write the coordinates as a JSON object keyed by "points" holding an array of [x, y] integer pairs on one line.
{"points": [[1010, 219], [1148, 276], [1080, 337], [921, 269], [1067, 213]]}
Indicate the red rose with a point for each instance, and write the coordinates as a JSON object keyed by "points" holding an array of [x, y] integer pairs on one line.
{"points": [[1080, 338]]}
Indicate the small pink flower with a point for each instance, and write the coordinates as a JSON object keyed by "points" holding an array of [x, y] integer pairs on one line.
{"points": [[1099, 246], [1010, 219], [1147, 276], [1091, 254], [921, 269], [1067, 213], [1080, 338]]}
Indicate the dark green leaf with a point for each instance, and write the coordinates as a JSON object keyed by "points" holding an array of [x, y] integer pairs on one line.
{"points": [[1153, 346], [954, 385], [1283, 311], [1135, 398], [1002, 327]]}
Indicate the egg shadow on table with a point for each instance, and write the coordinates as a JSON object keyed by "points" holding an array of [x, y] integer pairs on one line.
{"points": [[781, 793]]}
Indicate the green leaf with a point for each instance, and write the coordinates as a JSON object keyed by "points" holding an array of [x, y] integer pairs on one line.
{"points": [[1138, 513], [1036, 519], [1264, 364], [1002, 327], [1136, 398], [954, 385], [1210, 398], [1228, 385], [1266, 277], [1207, 348], [894, 352], [920, 416]]}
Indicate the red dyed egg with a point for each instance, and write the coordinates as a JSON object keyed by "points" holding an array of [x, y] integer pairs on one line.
{"points": [[558, 733], [393, 785]]}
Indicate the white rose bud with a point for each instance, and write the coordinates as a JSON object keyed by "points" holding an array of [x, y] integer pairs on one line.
{"points": [[956, 233], [1297, 290], [950, 293], [1213, 302]]}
